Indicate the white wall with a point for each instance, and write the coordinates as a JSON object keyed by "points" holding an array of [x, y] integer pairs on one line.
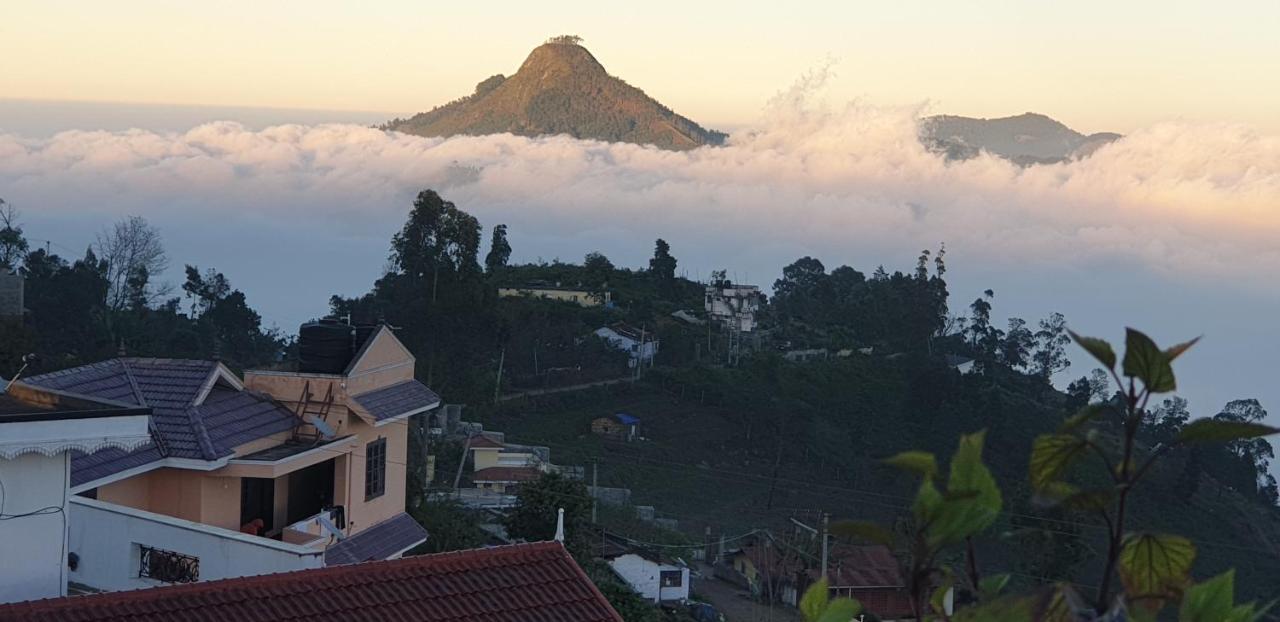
{"points": [[32, 548], [643, 577], [107, 537]]}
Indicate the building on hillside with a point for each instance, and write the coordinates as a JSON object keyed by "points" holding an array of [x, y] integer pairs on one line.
{"points": [[39, 430], [869, 573], [538, 581], [11, 292], [734, 306], [962, 364], [577, 295], [640, 345], [281, 471], [504, 480], [651, 578], [617, 427]]}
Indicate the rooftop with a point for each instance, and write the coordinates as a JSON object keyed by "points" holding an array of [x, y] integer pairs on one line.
{"points": [[504, 474], [515, 583]]}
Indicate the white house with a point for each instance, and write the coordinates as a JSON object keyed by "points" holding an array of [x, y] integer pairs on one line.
{"points": [[641, 345], [650, 579], [39, 429], [734, 305]]}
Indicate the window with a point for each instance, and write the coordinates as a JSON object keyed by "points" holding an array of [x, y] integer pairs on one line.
{"points": [[167, 566], [375, 469], [672, 578]]}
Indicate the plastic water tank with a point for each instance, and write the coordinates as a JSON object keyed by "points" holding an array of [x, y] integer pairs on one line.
{"points": [[324, 347]]}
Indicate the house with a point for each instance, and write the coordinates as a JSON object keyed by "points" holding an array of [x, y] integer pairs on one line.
{"points": [[277, 472], [871, 574], [733, 306], [639, 344], [576, 295], [39, 430], [512, 583], [504, 479], [11, 290], [652, 579], [619, 427], [962, 364]]}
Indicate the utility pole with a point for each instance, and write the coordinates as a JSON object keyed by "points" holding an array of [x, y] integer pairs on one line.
{"points": [[497, 385], [825, 518], [595, 487]]}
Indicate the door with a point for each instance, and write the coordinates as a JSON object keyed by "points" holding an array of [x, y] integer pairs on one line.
{"points": [[257, 500]]}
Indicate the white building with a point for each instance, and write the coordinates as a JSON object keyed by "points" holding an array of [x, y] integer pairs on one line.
{"points": [[652, 580], [39, 428], [641, 345], [734, 305]]}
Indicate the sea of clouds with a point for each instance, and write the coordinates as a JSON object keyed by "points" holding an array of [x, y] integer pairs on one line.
{"points": [[1175, 227]]}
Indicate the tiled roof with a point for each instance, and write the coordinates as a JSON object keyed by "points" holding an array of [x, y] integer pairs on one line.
{"points": [[863, 566], [506, 474], [378, 542], [516, 583], [481, 441], [183, 429], [397, 399]]}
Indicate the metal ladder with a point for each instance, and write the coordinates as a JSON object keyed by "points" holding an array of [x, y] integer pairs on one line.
{"points": [[315, 413]]}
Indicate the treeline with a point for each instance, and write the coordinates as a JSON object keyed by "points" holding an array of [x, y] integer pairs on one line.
{"points": [[112, 300]]}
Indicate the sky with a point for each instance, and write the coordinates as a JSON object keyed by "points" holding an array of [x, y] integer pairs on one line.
{"points": [[242, 132], [1095, 65]]}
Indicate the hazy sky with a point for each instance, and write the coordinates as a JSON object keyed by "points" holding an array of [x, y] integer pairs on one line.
{"points": [[1096, 65]]}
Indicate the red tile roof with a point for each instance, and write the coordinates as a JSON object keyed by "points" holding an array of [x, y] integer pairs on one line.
{"points": [[484, 442], [516, 583], [506, 474]]}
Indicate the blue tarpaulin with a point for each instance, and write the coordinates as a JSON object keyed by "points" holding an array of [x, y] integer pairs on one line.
{"points": [[627, 419]]}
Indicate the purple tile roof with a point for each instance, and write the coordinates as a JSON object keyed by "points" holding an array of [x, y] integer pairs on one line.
{"points": [[181, 428], [378, 542], [397, 399]]}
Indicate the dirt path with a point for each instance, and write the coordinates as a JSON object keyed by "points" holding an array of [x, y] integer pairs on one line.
{"points": [[573, 387]]}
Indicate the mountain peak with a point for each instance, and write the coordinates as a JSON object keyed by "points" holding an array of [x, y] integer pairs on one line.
{"points": [[561, 89]]}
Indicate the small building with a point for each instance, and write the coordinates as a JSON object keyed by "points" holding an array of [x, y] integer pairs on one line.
{"points": [[618, 427], [39, 431], [652, 579], [871, 574], [537, 581], [638, 343], [504, 479], [734, 306], [962, 364], [577, 295]]}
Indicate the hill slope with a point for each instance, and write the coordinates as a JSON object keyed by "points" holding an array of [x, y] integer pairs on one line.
{"points": [[561, 89], [1026, 139]]}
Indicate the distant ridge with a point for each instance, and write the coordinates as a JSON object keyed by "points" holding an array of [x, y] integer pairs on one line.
{"points": [[1026, 139], [561, 89]]}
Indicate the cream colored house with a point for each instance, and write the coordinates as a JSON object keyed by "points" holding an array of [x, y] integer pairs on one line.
{"points": [[278, 471], [575, 295]]}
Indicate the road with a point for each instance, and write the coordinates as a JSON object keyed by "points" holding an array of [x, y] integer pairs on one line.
{"points": [[736, 604]]}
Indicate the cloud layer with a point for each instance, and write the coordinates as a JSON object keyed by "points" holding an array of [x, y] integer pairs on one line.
{"points": [[1186, 205]]}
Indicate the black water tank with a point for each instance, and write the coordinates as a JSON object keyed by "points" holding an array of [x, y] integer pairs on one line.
{"points": [[324, 347], [363, 333]]}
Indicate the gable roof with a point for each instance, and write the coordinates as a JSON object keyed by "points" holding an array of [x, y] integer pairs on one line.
{"points": [[514, 583], [397, 400], [199, 410], [381, 541], [506, 475]]}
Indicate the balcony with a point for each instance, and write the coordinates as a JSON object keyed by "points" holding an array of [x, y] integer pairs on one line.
{"points": [[122, 548]]}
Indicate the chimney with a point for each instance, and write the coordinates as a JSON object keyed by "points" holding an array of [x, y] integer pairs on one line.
{"points": [[560, 526]]}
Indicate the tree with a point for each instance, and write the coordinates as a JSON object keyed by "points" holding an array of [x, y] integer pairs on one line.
{"points": [[663, 265], [438, 240], [499, 250], [134, 253], [452, 526], [13, 246], [1015, 349], [598, 269], [1050, 355], [537, 504], [1100, 385]]}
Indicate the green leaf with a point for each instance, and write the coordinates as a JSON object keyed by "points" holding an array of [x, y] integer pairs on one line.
{"points": [[973, 500], [1176, 351], [861, 530], [815, 601], [1147, 362], [991, 586], [1211, 601], [1155, 565], [1051, 454], [927, 501], [1210, 430], [1080, 418], [920, 462], [841, 610], [1099, 348]]}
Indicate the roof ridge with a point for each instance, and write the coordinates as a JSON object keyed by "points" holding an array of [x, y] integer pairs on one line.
{"points": [[202, 433], [133, 383]]}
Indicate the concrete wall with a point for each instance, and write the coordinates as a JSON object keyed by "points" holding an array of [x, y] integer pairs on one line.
{"points": [[361, 513], [33, 548], [644, 578], [107, 539]]}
